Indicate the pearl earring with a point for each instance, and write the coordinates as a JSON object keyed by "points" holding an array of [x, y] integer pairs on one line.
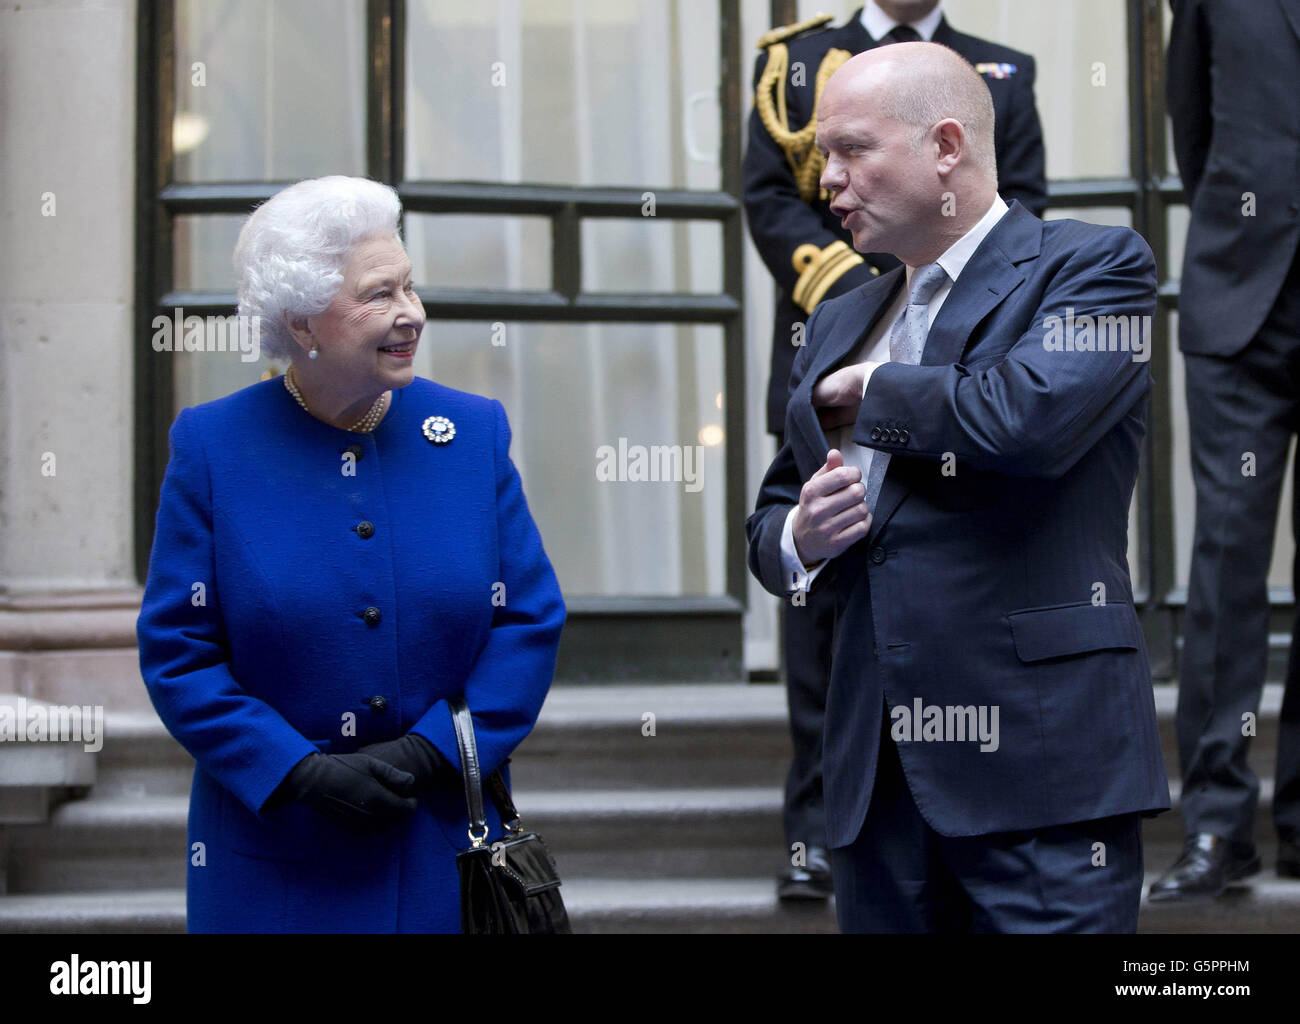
{"points": [[313, 353]]}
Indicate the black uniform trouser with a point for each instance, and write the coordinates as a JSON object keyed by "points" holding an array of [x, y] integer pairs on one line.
{"points": [[1242, 412], [807, 632]]}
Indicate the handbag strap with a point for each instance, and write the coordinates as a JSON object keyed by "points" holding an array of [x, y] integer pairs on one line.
{"points": [[471, 771]]}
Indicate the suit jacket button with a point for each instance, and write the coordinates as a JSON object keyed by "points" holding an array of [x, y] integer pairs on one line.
{"points": [[902, 436], [377, 703], [893, 434], [372, 616], [875, 433], [365, 529], [877, 555]]}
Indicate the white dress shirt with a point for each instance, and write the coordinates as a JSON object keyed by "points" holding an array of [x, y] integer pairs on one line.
{"points": [[875, 349], [879, 24]]}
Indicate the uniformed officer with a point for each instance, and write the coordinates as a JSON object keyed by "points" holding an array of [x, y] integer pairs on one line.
{"points": [[811, 258]]}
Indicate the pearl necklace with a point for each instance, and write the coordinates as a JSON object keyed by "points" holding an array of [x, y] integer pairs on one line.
{"points": [[365, 425]]}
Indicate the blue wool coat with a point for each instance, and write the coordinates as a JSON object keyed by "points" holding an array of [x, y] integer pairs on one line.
{"points": [[275, 534]]}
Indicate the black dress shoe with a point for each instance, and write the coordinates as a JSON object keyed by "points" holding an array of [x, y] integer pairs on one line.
{"points": [[810, 882], [1288, 859], [1208, 863]]}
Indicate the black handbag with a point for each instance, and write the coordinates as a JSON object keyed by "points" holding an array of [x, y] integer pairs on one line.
{"points": [[507, 887]]}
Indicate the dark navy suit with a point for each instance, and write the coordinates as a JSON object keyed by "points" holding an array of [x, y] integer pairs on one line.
{"points": [[780, 222], [275, 658], [980, 587]]}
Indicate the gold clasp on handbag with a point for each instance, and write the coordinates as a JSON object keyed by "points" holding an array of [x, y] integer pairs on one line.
{"points": [[477, 840]]}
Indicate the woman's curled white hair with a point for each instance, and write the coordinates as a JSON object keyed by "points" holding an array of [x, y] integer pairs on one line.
{"points": [[291, 252]]}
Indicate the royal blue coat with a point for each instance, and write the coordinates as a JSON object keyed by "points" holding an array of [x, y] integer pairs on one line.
{"points": [[275, 534]]}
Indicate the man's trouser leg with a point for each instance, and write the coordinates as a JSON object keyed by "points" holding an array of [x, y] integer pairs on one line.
{"points": [[1241, 415]]}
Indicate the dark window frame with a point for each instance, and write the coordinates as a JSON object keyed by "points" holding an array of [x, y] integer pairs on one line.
{"points": [[608, 638], [620, 638]]}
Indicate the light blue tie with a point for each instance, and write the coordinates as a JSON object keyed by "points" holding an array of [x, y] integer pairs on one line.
{"points": [[906, 343]]}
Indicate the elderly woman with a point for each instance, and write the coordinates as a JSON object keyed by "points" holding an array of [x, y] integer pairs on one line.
{"points": [[338, 552]]}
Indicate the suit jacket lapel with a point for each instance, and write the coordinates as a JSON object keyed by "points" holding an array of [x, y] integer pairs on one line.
{"points": [[989, 277], [872, 300]]}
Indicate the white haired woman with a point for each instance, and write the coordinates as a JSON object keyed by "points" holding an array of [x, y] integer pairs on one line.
{"points": [[366, 553]]}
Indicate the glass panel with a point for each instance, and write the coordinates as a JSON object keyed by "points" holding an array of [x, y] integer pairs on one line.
{"points": [[1110, 216], [650, 255], [202, 249], [203, 376], [591, 407], [620, 92], [1081, 53], [269, 89], [1179, 219], [474, 251]]}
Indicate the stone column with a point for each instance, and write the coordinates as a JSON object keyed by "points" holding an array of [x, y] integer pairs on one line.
{"points": [[68, 595]]}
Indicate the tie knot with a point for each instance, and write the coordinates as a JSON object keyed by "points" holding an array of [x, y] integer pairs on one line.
{"points": [[902, 34], [925, 282]]}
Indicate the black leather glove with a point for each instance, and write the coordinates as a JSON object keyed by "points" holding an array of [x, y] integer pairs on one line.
{"points": [[355, 791], [413, 753]]}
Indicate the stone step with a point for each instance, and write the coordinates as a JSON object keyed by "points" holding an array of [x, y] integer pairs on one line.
{"points": [[141, 759], [605, 906], [709, 735], [85, 913], [708, 905], [116, 843], [122, 843]]}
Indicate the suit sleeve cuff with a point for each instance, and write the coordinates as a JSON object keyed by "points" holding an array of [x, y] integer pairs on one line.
{"points": [[796, 576]]}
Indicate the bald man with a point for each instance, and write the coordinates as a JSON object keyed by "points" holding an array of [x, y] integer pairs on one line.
{"points": [[961, 448]]}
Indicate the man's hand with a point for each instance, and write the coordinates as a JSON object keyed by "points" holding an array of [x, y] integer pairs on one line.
{"points": [[831, 516], [837, 396]]}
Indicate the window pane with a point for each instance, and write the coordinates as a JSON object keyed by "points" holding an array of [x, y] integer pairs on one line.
{"points": [[621, 92], [1080, 51], [477, 251], [590, 406], [203, 246], [649, 255], [269, 89], [1110, 216]]}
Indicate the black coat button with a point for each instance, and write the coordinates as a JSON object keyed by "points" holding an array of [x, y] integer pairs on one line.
{"points": [[372, 616], [902, 436], [875, 433], [893, 435], [377, 703], [355, 450], [365, 529], [877, 555]]}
